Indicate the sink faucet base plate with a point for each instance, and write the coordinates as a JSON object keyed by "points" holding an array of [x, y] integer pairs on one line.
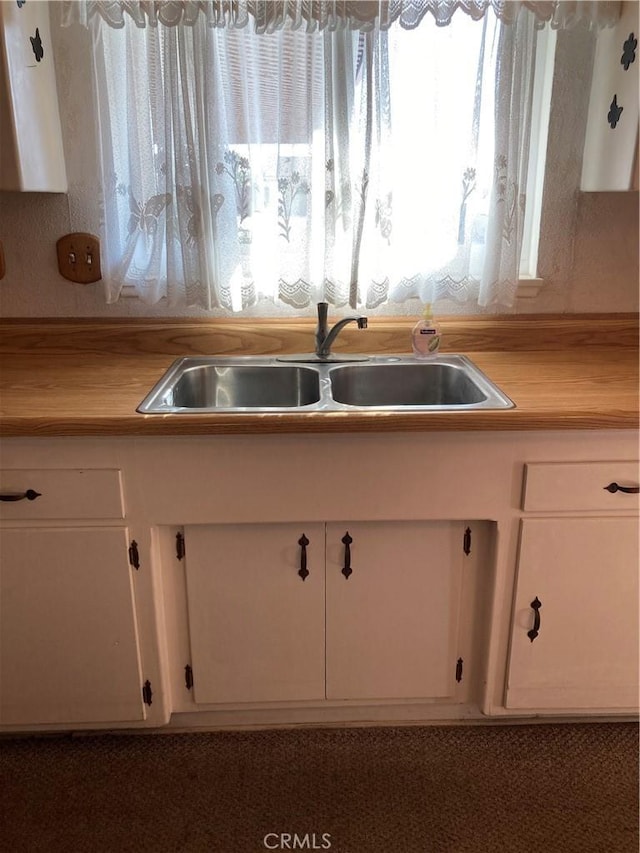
{"points": [[332, 358]]}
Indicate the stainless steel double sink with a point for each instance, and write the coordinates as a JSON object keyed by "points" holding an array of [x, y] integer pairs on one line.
{"points": [[262, 384]]}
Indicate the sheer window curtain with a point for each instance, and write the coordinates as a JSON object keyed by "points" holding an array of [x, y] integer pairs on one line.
{"points": [[316, 162]]}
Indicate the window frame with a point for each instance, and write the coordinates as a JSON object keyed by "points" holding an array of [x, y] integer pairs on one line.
{"points": [[530, 283]]}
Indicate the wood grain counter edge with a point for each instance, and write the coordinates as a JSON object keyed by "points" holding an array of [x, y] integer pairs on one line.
{"points": [[150, 425]]}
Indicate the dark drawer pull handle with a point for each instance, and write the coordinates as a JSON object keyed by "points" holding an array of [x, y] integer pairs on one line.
{"points": [[629, 490], [29, 495], [346, 541], [303, 571], [536, 604]]}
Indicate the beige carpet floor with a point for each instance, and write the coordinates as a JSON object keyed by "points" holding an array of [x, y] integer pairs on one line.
{"points": [[462, 789]]}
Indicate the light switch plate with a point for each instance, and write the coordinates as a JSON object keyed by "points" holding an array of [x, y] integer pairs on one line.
{"points": [[79, 257]]}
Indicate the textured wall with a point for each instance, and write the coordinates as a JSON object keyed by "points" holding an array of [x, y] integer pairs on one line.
{"points": [[588, 249]]}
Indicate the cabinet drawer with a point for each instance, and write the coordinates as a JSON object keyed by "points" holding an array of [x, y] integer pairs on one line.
{"points": [[69, 493], [579, 486]]}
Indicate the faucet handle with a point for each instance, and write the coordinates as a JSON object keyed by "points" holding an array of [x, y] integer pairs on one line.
{"points": [[323, 310]]}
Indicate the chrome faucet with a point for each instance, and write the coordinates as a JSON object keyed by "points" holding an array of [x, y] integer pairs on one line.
{"points": [[324, 337]]}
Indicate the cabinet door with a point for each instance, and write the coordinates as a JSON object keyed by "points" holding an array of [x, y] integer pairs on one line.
{"points": [[30, 133], [610, 149], [392, 623], [256, 627], [584, 574], [68, 639]]}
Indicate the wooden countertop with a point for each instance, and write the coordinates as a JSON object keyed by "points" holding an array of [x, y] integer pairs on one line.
{"points": [[62, 378]]}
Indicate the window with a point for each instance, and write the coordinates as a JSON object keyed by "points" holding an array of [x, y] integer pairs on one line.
{"points": [[362, 167]]}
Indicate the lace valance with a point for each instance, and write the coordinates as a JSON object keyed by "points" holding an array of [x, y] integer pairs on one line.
{"points": [[268, 15]]}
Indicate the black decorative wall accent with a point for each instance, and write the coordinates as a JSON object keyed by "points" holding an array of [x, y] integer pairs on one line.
{"points": [[629, 51], [36, 45], [21, 3], [614, 113]]}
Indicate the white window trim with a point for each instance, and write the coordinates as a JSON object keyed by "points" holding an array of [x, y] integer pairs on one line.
{"points": [[530, 284]]}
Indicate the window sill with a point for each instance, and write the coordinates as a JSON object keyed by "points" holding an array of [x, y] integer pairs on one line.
{"points": [[529, 287]]}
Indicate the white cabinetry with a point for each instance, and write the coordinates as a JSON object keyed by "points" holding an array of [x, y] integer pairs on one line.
{"points": [[574, 642], [611, 140], [69, 646], [226, 631], [581, 576], [68, 639], [311, 611], [392, 625], [256, 628], [30, 133]]}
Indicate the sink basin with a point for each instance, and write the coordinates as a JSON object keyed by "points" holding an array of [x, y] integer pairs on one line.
{"points": [[416, 384], [205, 385], [261, 384]]}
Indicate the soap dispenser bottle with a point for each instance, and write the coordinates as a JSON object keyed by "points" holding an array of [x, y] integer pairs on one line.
{"points": [[425, 337]]}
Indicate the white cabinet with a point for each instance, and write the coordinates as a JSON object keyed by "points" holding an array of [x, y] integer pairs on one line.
{"points": [[392, 624], [430, 624], [581, 487], [70, 653], [580, 575], [30, 133], [574, 640], [362, 610], [68, 635], [256, 628], [34, 494], [611, 140]]}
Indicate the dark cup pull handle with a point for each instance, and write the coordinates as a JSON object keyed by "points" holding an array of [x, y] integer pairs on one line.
{"points": [[303, 571], [536, 604], [629, 490], [346, 541], [29, 495]]}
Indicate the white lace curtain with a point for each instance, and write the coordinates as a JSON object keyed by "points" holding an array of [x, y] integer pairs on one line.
{"points": [[300, 164], [336, 14]]}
